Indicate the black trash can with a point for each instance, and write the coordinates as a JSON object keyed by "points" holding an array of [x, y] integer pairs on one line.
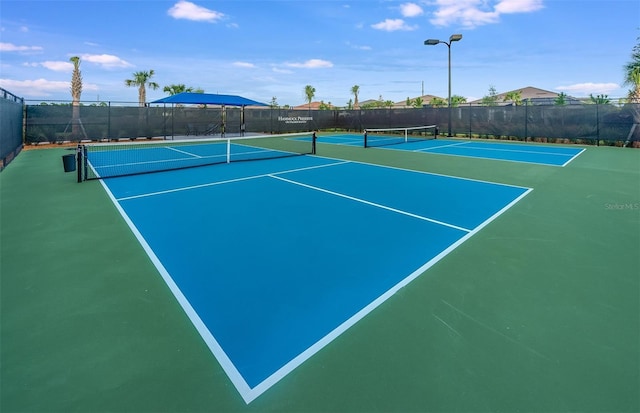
{"points": [[69, 162]]}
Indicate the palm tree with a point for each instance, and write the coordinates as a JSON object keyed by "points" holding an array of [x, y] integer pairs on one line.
{"points": [[310, 93], [141, 80], [632, 74], [355, 89], [175, 89], [600, 99], [456, 100], [437, 102], [76, 91], [515, 97]]}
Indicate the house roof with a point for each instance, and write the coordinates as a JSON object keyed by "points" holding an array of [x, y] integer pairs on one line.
{"points": [[312, 106], [534, 94], [208, 99]]}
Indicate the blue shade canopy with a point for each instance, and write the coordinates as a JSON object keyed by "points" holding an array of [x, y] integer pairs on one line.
{"points": [[208, 99]]}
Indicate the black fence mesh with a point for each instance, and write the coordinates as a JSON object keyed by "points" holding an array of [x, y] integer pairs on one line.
{"points": [[586, 123], [11, 120]]}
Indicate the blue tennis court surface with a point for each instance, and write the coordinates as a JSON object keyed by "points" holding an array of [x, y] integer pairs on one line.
{"points": [[272, 260], [515, 152]]}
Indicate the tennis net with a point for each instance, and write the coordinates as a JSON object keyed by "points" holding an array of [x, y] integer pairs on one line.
{"points": [[395, 136], [131, 158]]}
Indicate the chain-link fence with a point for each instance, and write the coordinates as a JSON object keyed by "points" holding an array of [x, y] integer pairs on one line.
{"points": [[584, 123], [11, 119]]}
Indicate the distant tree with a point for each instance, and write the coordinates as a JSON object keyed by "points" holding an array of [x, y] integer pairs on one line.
{"points": [[325, 106], [355, 90], [561, 99], [492, 98], [632, 74], [310, 93], [437, 102], [457, 100], [389, 103], [175, 89], [600, 99], [141, 80], [408, 102], [76, 91], [515, 97], [350, 104], [274, 103]]}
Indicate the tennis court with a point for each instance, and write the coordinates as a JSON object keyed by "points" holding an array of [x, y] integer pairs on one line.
{"points": [[350, 280], [512, 152], [247, 262]]}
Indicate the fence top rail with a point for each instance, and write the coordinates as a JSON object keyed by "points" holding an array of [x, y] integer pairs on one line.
{"points": [[10, 96]]}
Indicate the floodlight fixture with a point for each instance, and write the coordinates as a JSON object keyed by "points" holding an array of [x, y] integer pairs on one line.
{"points": [[432, 42]]}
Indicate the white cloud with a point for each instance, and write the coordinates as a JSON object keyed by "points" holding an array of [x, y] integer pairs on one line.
{"points": [[473, 13], [518, 6], [105, 60], [392, 25], [411, 10], [190, 11], [57, 66], [311, 64], [244, 65], [584, 89], [38, 87], [10, 47]]}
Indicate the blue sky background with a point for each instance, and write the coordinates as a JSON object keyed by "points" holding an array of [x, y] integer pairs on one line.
{"points": [[272, 48]]}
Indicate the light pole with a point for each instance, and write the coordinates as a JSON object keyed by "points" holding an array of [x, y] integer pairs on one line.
{"points": [[431, 42]]}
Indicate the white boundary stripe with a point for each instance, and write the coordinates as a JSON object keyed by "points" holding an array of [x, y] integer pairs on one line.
{"points": [[426, 173], [398, 211], [574, 157], [188, 188], [477, 157], [317, 346], [220, 355], [515, 150], [441, 146], [184, 152], [249, 394]]}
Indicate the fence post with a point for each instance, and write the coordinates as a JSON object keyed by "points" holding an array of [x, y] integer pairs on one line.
{"points": [[109, 121], [597, 124], [526, 119]]}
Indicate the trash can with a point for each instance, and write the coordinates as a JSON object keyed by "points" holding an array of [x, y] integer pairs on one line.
{"points": [[69, 162]]}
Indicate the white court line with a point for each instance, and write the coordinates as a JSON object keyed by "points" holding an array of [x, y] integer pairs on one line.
{"points": [[435, 221], [574, 157], [441, 146], [184, 152], [228, 181], [247, 393], [517, 150]]}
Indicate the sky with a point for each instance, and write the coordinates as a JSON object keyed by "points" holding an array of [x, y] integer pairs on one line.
{"points": [[266, 49]]}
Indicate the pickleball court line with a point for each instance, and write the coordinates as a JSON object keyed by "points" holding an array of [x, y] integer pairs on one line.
{"points": [[248, 393], [363, 201], [228, 181], [441, 146]]}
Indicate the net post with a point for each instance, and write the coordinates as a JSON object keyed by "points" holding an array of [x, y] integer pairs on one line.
{"points": [[79, 162], [365, 138], [313, 143], [406, 135], [228, 150], [85, 158]]}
